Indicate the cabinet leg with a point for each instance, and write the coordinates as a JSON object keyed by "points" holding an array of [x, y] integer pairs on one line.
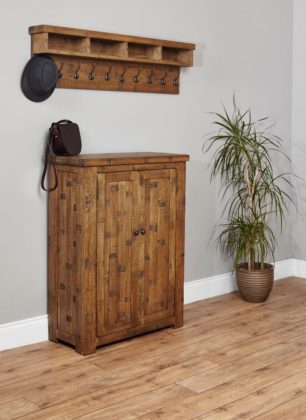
{"points": [[53, 339], [52, 336], [179, 317], [178, 324], [85, 349]]}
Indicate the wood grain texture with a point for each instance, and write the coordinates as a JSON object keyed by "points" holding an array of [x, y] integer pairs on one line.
{"points": [[16, 408], [262, 400], [115, 159], [107, 35], [180, 243], [231, 359], [158, 219], [117, 295], [52, 259], [87, 271], [126, 63], [142, 404], [113, 258], [293, 409], [101, 75]]}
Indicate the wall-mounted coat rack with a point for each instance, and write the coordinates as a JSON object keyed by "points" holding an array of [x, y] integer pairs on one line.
{"points": [[105, 61]]}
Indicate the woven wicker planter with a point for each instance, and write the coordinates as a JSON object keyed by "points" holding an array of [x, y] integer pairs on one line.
{"points": [[255, 285]]}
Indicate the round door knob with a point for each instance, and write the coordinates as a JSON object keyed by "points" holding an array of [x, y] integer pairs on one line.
{"points": [[136, 232], [142, 231]]}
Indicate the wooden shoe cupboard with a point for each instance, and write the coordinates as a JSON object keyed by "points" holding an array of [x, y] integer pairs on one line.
{"points": [[115, 247]]}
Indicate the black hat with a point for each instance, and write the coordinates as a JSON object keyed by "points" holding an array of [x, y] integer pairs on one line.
{"points": [[39, 78]]}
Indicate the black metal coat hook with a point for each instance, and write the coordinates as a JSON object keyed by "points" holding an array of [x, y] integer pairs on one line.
{"points": [[163, 79], [175, 81], [135, 78], [60, 74], [150, 77], [121, 77], [90, 75], [106, 75], [76, 73]]}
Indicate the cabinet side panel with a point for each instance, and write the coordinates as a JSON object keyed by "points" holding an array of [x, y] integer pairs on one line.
{"points": [[172, 239], [52, 258], [85, 327], [180, 244], [66, 251], [100, 254]]}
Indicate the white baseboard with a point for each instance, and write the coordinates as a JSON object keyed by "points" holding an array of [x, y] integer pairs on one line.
{"points": [[24, 332], [225, 283], [300, 268], [285, 268], [34, 330], [209, 287]]}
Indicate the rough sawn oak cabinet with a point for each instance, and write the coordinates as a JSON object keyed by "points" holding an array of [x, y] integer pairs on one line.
{"points": [[115, 246]]}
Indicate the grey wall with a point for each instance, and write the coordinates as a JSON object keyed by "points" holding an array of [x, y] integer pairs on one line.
{"points": [[298, 128], [242, 46]]}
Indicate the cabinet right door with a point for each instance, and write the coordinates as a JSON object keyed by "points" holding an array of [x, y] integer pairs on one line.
{"points": [[156, 252]]}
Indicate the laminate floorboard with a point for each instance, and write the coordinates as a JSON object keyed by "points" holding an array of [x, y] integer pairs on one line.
{"points": [[230, 360]]}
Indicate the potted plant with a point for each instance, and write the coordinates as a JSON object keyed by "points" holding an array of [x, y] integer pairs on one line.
{"points": [[254, 197]]}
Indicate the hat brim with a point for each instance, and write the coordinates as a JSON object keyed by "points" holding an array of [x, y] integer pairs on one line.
{"points": [[26, 87]]}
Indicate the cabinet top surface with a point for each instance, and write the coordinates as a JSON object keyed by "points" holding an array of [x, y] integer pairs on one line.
{"points": [[109, 159]]}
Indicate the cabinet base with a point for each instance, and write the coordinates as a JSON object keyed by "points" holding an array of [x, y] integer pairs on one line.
{"points": [[115, 336], [131, 332]]}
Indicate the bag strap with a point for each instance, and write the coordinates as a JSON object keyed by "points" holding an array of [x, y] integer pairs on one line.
{"points": [[63, 121], [47, 153], [49, 150]]}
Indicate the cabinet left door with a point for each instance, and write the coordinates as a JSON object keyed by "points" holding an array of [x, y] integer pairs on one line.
{"points": [[117, 214]]}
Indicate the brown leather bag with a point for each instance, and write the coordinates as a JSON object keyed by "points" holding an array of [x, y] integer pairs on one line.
{"points": [[64, 139]]}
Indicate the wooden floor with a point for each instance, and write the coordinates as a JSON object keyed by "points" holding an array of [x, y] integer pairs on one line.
{"points": [[231, 360]]}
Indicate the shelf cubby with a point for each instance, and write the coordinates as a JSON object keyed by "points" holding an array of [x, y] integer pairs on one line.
{"points": [[68, 43], [178, 56], [108, 47], [143, 51]]}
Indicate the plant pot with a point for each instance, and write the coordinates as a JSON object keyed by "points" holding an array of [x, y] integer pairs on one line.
{"points": [[255, 285]]}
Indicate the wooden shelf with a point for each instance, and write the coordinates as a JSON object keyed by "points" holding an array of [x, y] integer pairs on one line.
{"points": [[84, 48]]}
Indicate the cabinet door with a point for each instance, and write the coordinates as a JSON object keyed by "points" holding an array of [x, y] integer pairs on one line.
{"points": [[156, 258], [117, 292]]}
